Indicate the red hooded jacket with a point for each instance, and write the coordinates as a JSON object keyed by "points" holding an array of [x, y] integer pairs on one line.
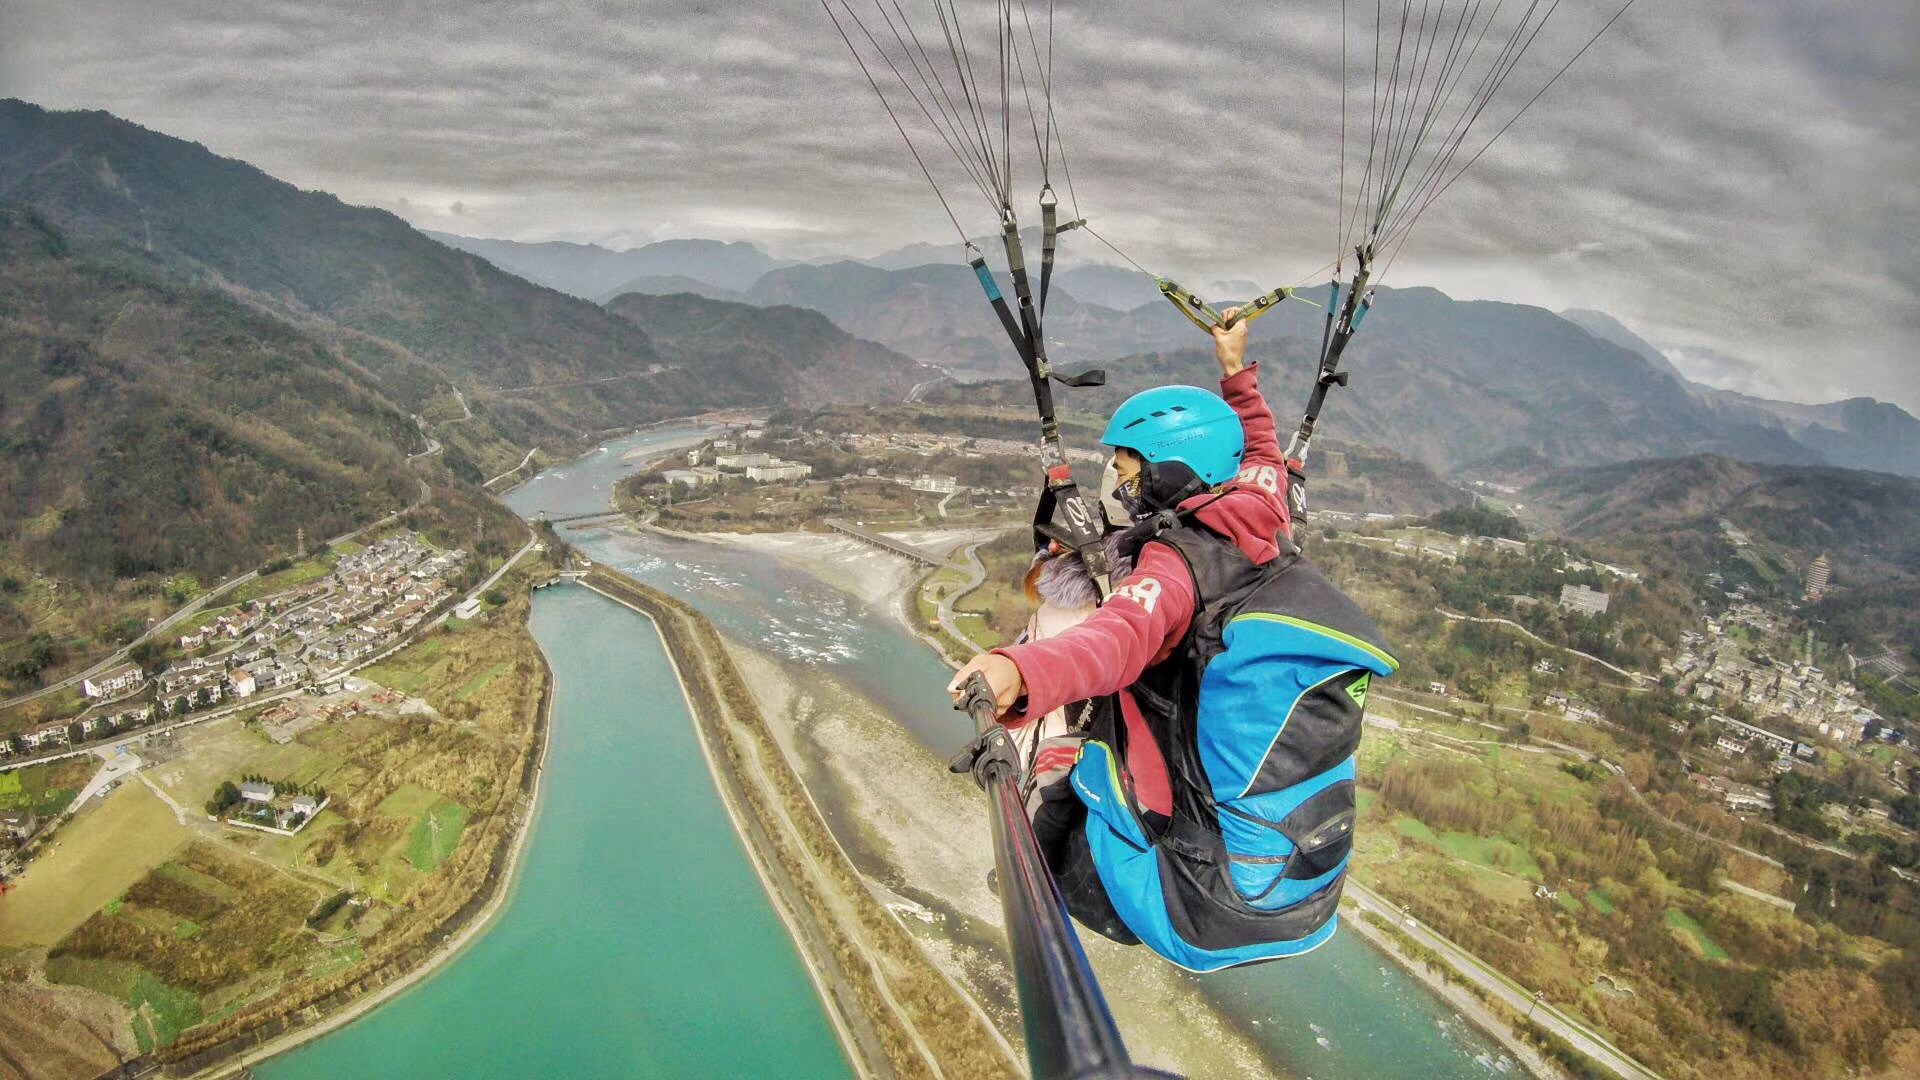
{"points": [[1147, 616]]}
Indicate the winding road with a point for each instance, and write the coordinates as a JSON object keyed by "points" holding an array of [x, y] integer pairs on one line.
{"points": [[976, 573]]}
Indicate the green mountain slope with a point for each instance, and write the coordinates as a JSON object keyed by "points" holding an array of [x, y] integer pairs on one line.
{"points": [[152, 429], [346, 272], [1868, 524]]}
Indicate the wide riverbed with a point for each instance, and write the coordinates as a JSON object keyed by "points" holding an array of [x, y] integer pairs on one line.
{"points": [[559, 979]]}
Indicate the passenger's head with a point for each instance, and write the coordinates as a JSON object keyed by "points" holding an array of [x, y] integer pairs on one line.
{"points": [[1170, 443]]}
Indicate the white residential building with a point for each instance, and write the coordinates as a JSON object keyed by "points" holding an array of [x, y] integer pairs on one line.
{"points": [[113, 683], [938, 485], [779, 470]]}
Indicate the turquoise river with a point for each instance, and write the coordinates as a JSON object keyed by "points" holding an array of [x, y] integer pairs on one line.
{"points": [[637, 940]]}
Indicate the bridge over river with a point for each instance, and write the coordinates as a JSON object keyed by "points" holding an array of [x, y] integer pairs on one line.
{"points": [[886, 543]]}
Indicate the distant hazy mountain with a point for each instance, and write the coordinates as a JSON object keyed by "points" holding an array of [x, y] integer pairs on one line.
{"points": [[596, 273], [1609, 329], [1121, 289], [1858, 433], [785, 354], [912, 255], [938, 313], [1455, 384], [668, 285]]}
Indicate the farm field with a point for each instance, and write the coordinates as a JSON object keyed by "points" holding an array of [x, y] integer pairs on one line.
{"points": [[191, 936], [46, 789], [99, 854], [207, 754]]}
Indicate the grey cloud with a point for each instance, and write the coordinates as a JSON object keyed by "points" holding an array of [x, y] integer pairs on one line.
{"points": [[1722, 175]]}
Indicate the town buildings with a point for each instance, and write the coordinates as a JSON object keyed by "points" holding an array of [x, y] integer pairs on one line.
{"points": [[775, 469], [373, 597]]}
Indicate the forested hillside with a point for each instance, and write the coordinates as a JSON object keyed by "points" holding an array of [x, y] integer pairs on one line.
{"points": [[149, 428], [198, 360]]}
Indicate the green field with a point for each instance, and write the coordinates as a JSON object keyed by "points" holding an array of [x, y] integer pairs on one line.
{"points": [[291, 578], [1486, 852], [339, 959], [194, 879], [1680, 920], [1600, 901], [479, 682], [414, 668], [436, 824], [436, 835], [1570, 901], [160, 1012], [45, 788], [1414, 830]]}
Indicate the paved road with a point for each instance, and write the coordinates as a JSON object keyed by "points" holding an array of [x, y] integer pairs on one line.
{"points": [[515, 469], [1469, 967], [976, 573], [116, 764], [1640, 680]]}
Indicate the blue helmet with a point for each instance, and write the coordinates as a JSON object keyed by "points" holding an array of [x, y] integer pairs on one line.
{"points": [[1184, 434]]}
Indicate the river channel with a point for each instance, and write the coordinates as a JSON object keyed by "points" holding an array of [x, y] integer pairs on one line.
{"points": [[586, 970]]}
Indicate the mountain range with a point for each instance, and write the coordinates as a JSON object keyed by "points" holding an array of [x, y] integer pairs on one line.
{"points": [[595, 273], [1503, 390], [1676, 514], [197, 355], [200, 358]]}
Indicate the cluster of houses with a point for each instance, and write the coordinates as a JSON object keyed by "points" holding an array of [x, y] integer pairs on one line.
{"points": [[1739, 737], [1739, 798], [89, 725], [1715, 669], [373, 596]]}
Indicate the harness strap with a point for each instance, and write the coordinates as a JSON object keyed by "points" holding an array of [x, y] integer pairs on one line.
{"points": [[1049, 236], [1000, 308], [1335, 339], [1081, 530]]}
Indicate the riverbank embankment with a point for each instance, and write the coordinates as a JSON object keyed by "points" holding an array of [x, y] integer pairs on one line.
{"points": [[898, 1013]]}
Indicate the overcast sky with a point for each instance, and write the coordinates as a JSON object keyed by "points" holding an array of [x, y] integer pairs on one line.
{"points": [[1734, 179]]}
